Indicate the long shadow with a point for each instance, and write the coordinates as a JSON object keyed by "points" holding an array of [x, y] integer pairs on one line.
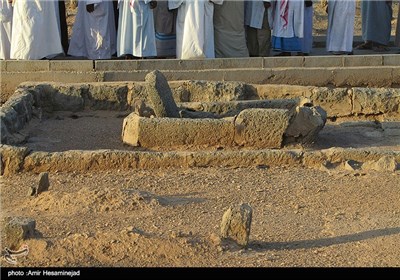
{"points": [[323, 242]]}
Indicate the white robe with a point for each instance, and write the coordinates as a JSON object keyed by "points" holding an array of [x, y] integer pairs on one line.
{"points": [[340, 32], [295, 26], [307, 41], [136, 33], [194, 28], [254, 13], [6, 14], [35, 30], [93, 34]]}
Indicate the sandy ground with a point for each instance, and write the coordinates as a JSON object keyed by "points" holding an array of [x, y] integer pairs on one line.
{"points": [[302, 217], [171, 217]]}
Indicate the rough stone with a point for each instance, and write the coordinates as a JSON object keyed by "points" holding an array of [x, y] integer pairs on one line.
{"points": [[232, 108], [12, 159], [385, 163], [168, 132], [261, 128], [197, 114], [141, 109], [210, 91], [160, 95], [16, 230], [236, 224], [305, 125], [336, 101], [352, 165], [44, 182], [370, 101]]}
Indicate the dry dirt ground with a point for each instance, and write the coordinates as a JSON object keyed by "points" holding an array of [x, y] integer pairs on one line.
{"points": [[171, 217], [302, 217]]}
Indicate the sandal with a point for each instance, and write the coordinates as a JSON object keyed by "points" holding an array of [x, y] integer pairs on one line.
{"points": [[365, 46], [380, 48]]}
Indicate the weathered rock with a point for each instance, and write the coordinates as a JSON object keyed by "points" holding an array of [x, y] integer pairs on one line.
{"points": [[336, 101], [370, 101], [160, 95], [352, 165], [305, 125], [210, 91], [141, 109], [197, 114], [16, 230], [385, 163], [172, 132], [43, 182], [236, 223], [12, 159], [232, 108], [261, 128]]}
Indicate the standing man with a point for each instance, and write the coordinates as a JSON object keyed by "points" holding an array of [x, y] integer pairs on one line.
{"points": [[288, 26], [165, 25], [258, 16], [229, 32], [136, 37], [6, 14], [63, 25], [376, 25], [35, 30], [397, 40], [307, 40], [194, 28], [93, 34], [339, 38]]}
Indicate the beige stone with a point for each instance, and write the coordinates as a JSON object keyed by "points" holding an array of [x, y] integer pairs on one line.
{"points": [[261, 128], [236, 224], [172, 132]]}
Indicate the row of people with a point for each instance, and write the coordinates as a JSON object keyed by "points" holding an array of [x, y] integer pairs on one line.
{"points": [[185, 28]]}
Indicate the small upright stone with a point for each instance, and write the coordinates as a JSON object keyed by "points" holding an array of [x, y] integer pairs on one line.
{"points": [[43, 183], [160, 95], [16, 230], [236, 223]]}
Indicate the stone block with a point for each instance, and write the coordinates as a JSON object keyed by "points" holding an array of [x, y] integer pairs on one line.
{"points": [[173, 132], [261, 128]]}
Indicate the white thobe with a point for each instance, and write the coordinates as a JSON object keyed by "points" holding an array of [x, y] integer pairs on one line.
{"points": [[35, 30], [93, 34], [254, 13], [136, 33], [6, 14], [194, 28], [340, 25], [295, 25]]}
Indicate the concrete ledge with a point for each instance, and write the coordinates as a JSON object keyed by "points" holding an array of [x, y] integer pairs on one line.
{"points": [[71, 65], [391, 60], [283, 62], [27, 65], [359, 61], [326, 61], [83, 161]]}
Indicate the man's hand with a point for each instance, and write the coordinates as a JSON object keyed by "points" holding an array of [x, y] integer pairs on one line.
{"points": [[90, 8], [153, 4], [267, 5]]}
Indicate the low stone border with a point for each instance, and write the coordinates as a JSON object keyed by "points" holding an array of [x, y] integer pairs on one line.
{"points": [[14, 159]]}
